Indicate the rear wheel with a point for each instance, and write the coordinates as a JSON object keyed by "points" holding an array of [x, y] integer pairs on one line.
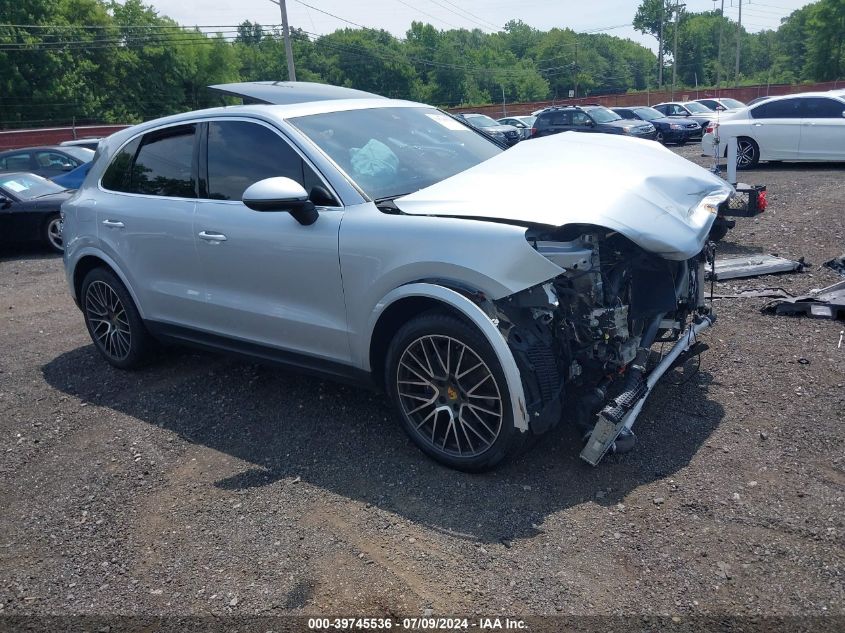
{"points": [[660, 138], [747, 153], [450, 393], [52, 233], [113, 321]]}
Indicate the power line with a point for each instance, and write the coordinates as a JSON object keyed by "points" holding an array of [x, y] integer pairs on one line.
{"points": [[428, 14], [336, 17], [472, 14], [463, 17]]}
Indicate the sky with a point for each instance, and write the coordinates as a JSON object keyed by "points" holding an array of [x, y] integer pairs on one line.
{"points": [[396, 16]]}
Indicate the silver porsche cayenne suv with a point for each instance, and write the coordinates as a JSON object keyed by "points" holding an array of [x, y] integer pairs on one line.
{"points": [[491, 294]]}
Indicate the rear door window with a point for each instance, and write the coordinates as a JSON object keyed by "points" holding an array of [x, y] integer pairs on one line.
{"points": [[117, 175], [822, 108], [164, 165]]}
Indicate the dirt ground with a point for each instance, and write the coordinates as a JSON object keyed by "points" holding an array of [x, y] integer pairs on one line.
{"points": [[206, 485]]}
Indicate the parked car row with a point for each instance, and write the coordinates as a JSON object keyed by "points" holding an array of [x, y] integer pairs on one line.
{"points": [[30, 209], [807, 126], [34, 181]]}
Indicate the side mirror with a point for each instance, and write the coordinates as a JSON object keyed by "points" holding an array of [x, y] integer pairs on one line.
{"points": [[281, 194]]}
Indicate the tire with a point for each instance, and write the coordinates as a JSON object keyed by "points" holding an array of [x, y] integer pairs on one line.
{"points": [[52, 233], [747, 153], [450, 393], [682, 142], [660, 138], [718, 232], [113, 321]]}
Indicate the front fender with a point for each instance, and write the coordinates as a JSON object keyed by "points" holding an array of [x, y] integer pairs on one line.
{"points": [[478, 317]]}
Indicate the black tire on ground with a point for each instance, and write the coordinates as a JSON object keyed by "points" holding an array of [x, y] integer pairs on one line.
{"points": [[660, 138], [718, 232], [52, 233], [450, 393], [747, 153], [113, 320], [682, 142]]}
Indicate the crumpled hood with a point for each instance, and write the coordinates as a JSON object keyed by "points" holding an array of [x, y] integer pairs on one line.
{"points": [[660, 201]]}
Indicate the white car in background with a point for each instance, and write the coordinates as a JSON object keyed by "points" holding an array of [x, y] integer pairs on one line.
{"points": [[807, 126]]}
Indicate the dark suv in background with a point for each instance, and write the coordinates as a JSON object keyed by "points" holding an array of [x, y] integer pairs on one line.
{"points": [[507, 134], [592, 118], [668, 130]]}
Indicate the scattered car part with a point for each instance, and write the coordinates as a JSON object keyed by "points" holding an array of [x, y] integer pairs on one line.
{"points": [[753, 266], [766, 293], [837, 264], [827, 303]]}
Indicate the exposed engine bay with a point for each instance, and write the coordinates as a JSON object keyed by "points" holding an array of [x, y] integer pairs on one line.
{"points": [[584, 337]]}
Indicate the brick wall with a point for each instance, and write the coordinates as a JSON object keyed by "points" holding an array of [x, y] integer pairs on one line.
{"points": [[12, 139]]}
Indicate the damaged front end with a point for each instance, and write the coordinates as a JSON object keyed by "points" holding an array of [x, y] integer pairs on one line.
{"points": [[582, 341]]}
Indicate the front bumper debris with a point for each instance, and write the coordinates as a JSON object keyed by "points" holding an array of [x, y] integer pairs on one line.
{"points": [[607, 430]]}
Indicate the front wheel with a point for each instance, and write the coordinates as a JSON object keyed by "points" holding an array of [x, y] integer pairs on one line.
{"points": [[450, 393], [52, 233], [113, 321]]}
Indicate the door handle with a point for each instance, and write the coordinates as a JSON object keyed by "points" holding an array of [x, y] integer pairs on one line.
{"points": [[115, 224], [212, 237], [758, 125]]}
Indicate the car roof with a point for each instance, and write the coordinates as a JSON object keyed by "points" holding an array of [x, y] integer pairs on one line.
{"points": [[288, 92], [825, 94], [261, 111]]}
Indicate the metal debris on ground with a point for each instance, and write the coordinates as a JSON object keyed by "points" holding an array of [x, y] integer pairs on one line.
{"points": [[765, 293], [837, 264], [753, 266], [827, 303]]}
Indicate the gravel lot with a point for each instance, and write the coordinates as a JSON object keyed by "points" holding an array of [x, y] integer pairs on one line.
{"points": [[204, 485]]}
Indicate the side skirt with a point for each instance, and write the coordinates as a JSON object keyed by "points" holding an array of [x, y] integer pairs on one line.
{"points": [[254, 352]]}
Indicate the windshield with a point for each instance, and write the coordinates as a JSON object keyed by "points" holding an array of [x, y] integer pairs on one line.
{"points": [[648, 114], [697, 108], [481, 120], [732, 103], [79, 153], [28, 186], [389, 152], [603, 115]]}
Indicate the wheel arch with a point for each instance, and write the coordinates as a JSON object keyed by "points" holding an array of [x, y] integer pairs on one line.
{"points": [[406, 302], [88, 262]]}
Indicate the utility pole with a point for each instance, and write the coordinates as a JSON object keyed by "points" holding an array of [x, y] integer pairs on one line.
{"points": [[719, 54], [286, 35], [677, 9], [738, 41], [660, 46]]}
